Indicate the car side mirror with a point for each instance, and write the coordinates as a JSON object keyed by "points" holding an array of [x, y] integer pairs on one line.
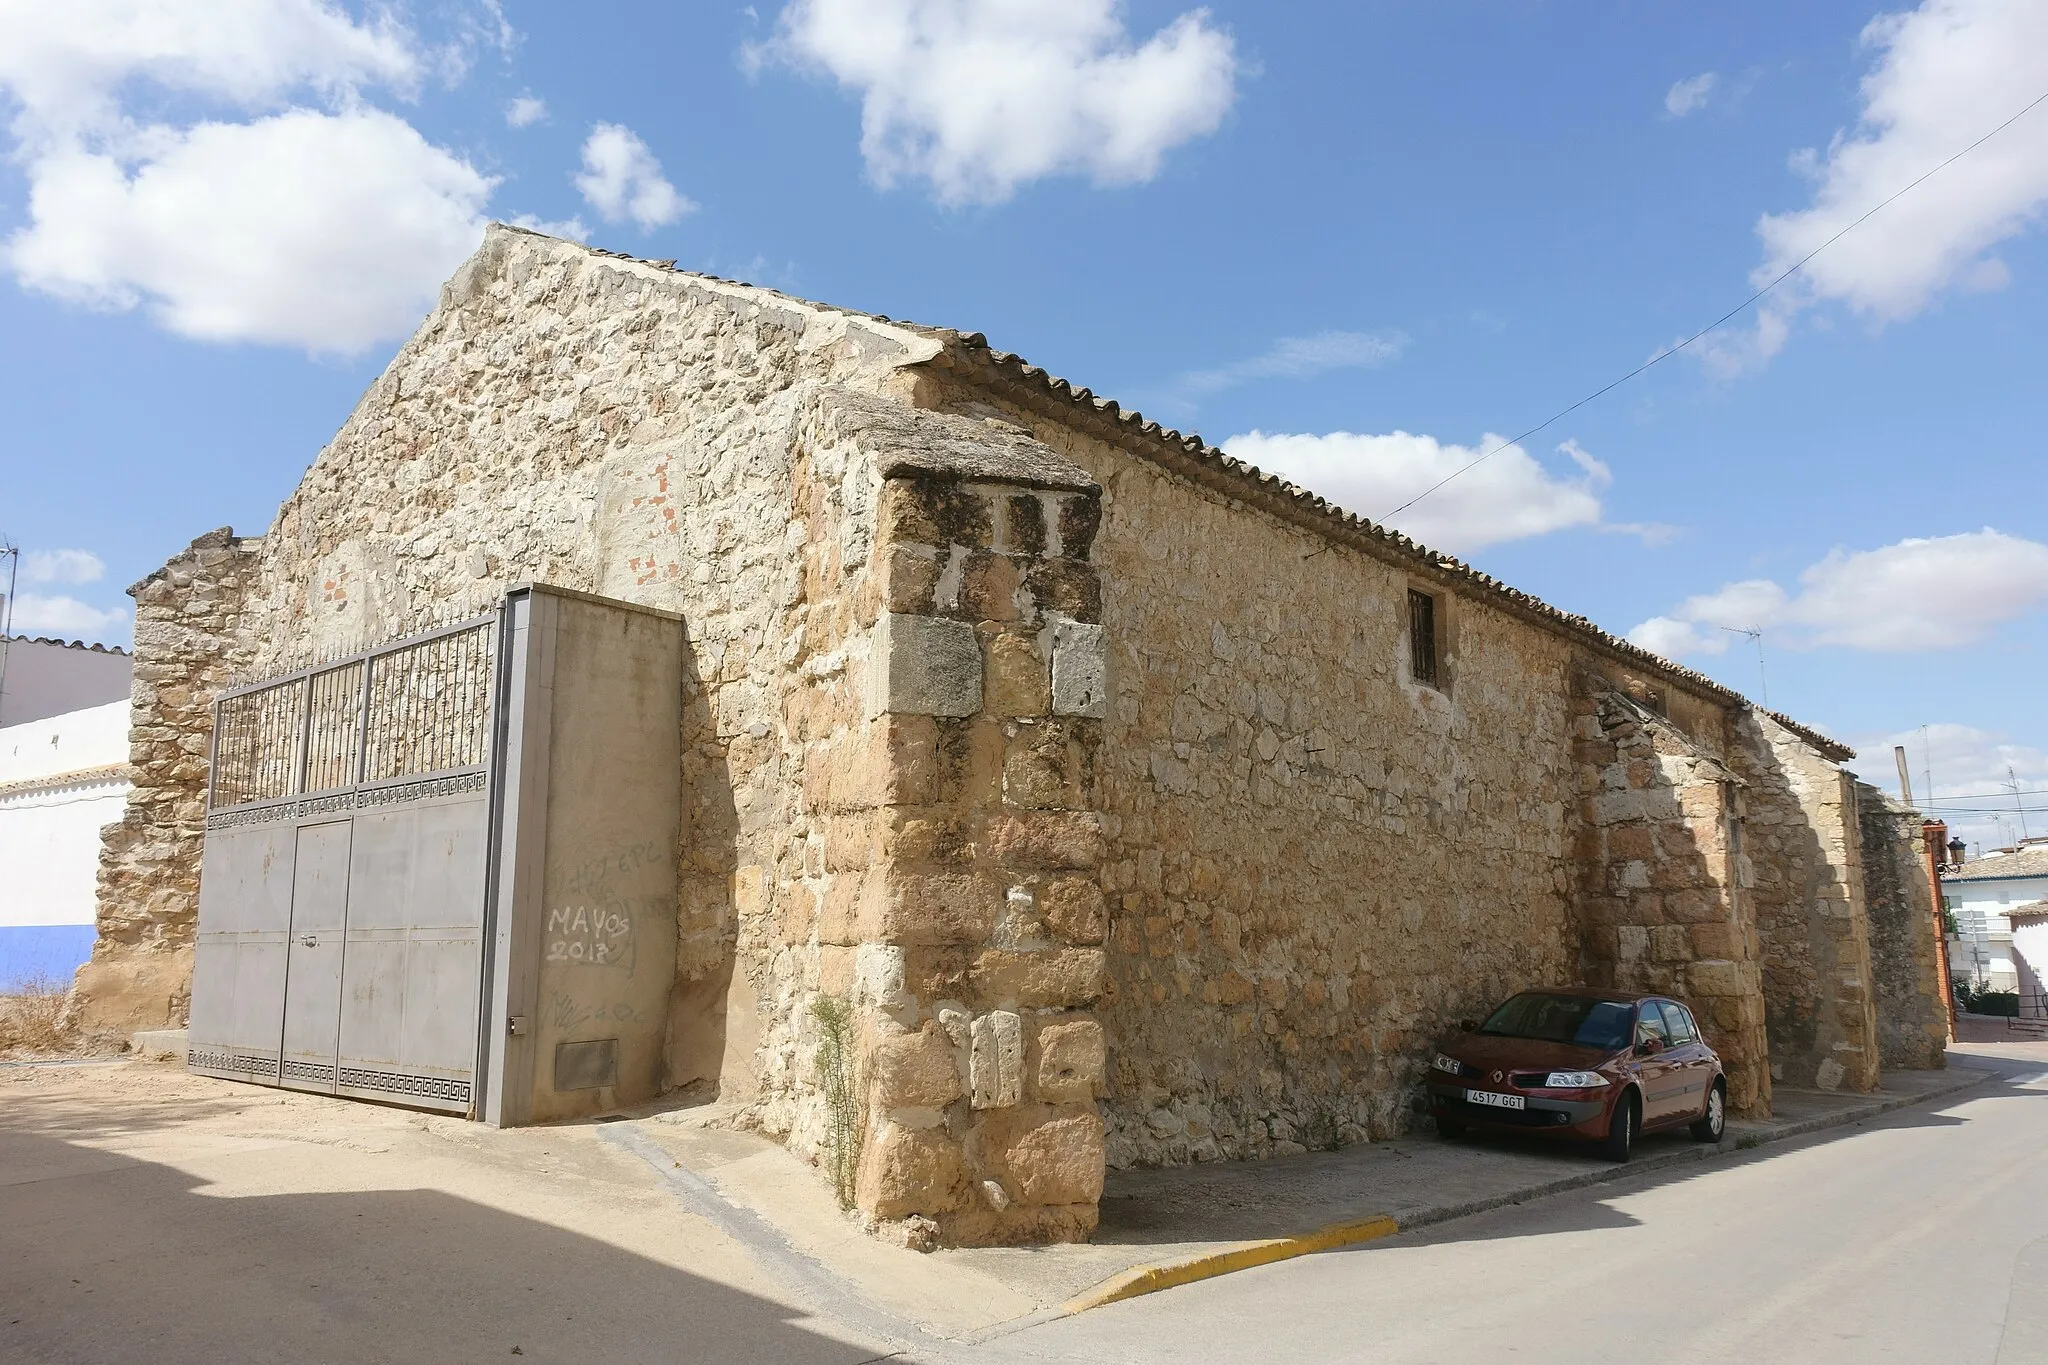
{"points": [[1467, 1025], [1649, 1047]]}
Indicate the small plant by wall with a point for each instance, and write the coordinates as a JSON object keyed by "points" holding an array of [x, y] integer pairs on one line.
{"points": [[1975, 997], [839, 1081], [32, 1016]]}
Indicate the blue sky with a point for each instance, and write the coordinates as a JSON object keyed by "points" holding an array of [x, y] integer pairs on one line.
{"points": [[1350, 242]]}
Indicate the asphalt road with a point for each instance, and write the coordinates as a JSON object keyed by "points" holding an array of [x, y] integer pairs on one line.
{"points": [[1923, 1237]]}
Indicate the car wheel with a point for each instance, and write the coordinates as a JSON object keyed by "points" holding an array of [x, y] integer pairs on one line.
{"points": [[1450, 1128], [1622, 1128], [1709, 1126]]}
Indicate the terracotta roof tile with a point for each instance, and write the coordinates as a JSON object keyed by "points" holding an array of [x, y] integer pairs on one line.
{"points": [[969, 356], [2025, 862]]}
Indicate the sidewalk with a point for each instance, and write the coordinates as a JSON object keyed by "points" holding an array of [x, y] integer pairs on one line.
{"points": [[1174, 1225]]}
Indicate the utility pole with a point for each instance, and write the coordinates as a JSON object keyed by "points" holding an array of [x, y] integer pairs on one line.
{"points": [[2021, 806]]}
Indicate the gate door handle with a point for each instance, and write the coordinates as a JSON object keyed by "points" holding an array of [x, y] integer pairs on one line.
{"points": [[308, 941]]}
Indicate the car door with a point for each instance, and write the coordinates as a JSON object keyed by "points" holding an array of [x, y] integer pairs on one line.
{"points": [[1657, 1070], [1692, 1061]]}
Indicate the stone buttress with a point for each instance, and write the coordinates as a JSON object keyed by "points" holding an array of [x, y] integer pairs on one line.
{"points": [[971, 945]]}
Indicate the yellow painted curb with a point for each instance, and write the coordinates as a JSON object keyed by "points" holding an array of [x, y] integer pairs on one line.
{"points": [[1150, 1279]]}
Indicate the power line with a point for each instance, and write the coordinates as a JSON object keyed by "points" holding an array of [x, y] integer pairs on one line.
{"points": [[1717, 322], [2006, 795]]}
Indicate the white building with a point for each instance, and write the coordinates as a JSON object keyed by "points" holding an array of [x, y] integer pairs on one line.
{"points": [[63, 776], [1982, 895], [2030, 956]]}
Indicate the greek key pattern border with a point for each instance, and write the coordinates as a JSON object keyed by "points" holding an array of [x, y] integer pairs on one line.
{"points": [[308, 1071], [421, 790], [401, 1083], [241, 1063], [457, 784]]}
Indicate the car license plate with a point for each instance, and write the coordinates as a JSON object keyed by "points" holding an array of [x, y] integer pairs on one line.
{"points": [[1495, 1100]]}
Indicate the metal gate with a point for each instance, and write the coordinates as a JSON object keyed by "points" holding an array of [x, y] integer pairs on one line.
{"points": [[343, 898]]}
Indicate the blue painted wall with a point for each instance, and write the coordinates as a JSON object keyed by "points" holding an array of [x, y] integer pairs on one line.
{"points": [[54, 951]]}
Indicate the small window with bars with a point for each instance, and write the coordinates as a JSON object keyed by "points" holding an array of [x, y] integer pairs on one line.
{"points": [[1422, 638]]}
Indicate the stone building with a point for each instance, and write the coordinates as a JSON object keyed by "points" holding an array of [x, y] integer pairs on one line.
{"points": [[1136, 806]]}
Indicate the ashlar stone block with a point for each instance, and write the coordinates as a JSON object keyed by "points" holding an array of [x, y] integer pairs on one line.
{"points": [[924, 666], [917, 1070], [995, 1064], [909, 1170], [1079, 669], [1070, 1062]]}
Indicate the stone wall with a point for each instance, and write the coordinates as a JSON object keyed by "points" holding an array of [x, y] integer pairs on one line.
{"points": [[1092, 792], [1666, 905], [187, 618], [1912, 1016], [1805, 847], [607, 426], [1314, 865]]}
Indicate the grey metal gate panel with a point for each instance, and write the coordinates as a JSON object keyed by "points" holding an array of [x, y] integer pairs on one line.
{"points": [[238, 969], [383, 828], [370, 778], [313, 958], [409, 1002]]}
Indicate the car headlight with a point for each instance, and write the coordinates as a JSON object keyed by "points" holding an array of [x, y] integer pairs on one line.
{"points": [[1574, 1080], [1449, 1064]]}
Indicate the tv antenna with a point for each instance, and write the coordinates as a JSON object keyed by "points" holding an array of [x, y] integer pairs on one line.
{"points": [[10, 552], [1756, 635]]}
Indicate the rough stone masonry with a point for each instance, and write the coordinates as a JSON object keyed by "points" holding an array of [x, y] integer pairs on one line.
{"points": [[1102, 779]]}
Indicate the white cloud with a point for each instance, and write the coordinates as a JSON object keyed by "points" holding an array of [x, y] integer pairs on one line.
{"points": [[621, 179], [1303, 358], [1510, 497], [1689, 94], [1969, 768], [326, 231], [326, 227], [982, 96], [65, 617], [62, 566], [1944, 75], [67, 63], [525, 111], [1916, 595], [572, 227]]}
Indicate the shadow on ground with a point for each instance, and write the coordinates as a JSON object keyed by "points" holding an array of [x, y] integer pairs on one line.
{"points": [[1424, 1180], [110, 1258]]}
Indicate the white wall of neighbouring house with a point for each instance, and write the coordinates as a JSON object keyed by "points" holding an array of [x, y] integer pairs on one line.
{"points": [[44, 678], [1982, 949], [2030, 960], [63, 778]]}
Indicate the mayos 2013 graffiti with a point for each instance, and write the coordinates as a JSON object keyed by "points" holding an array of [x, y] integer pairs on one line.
{"points": [[597, 935]]}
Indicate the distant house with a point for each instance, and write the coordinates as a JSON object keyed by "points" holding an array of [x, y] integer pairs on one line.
{"points": [[2030, 956], [63, 776], [1983, 895]]}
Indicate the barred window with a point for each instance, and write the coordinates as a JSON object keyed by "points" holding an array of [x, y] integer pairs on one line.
{"points": [[1422, 638]]}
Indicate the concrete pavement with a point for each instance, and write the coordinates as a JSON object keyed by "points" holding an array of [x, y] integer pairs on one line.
{"points": [[147, 1215]]}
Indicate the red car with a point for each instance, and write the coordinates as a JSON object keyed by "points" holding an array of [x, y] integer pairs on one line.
{"points": [[1603, 1065]]}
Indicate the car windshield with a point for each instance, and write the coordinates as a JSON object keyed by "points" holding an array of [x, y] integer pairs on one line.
{"points": [[1605, 1024]]}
